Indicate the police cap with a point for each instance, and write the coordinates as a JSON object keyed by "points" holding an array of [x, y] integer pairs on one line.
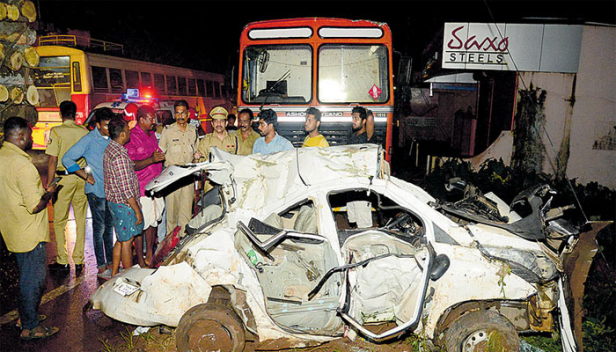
{"points": [[219, 113]]}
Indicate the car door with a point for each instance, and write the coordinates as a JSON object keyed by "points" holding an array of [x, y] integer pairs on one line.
{"points": [[290, 258], [387, 261]]}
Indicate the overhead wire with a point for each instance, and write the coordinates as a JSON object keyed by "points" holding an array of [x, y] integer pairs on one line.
{"points": [[536, 128]]}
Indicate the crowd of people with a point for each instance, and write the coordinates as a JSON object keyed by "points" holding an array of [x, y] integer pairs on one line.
{"points": [[107, 169]]}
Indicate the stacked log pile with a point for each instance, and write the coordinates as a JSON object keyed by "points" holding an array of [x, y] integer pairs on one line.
{"points": [[18, 95]]}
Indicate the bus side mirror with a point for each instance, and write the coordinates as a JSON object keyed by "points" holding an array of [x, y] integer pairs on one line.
{"points": [[404, 70]]}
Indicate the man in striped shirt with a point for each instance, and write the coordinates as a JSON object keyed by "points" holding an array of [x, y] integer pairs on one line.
{"points": [[122, 193]]}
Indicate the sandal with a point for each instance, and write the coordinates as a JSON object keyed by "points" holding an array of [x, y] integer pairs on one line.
{"points": [[41, 318], [40, 332]]}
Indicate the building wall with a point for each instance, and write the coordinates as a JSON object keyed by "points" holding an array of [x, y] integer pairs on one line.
{"points": [[580, 111]]}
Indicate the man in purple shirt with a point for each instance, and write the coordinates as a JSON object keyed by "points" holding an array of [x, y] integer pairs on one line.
{"points": [[122, 193], [143, 150]]}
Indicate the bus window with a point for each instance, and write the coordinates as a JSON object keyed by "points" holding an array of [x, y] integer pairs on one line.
{"points": [[159, 83], [350, 73], [99, 79], [277, 74], [115, 78], [210, 88], [181, 85], [201, 87], [52, 78], [146, 79], [76, 77], [216, 89], [171, 85], [132, 79], [192, 87]]}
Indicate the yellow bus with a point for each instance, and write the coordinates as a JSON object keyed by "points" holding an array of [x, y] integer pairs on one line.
{"points": [[66, 72]]}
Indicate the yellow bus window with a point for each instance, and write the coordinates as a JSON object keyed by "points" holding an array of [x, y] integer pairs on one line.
{"points": [[99, 79], [115, 78], [76, 77], [182, 85], [159, 83], [171, 85], [192, 87], [132, 79], [146, 80]]}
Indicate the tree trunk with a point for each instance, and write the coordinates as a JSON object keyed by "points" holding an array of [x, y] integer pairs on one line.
{"points": [[32, 95], [17, 33], [3, 11], [25, 111], [4, 94], [15, 61], [17, 95], [12, 12], [28, 11], [17, 57]]}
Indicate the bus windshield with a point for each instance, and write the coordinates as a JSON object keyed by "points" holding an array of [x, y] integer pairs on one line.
{"points": [[52, 77], [353, 73], [277, 74], [347, 73]]}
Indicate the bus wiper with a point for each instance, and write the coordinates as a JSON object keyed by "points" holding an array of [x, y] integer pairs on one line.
{"points": [[271, 89]]}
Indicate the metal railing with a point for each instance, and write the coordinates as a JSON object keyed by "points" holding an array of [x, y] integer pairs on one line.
{"points": [[75, 41]]}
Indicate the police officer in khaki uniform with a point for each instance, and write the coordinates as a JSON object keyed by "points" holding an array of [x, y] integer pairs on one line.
{"points": [[219, 138], [179, 142], [71, 189]]}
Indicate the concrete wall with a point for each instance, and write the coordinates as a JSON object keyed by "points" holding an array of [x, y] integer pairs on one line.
{"points": [[580, 111]]}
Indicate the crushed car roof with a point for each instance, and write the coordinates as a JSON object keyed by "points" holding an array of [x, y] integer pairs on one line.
{"points": [[259, 179]]}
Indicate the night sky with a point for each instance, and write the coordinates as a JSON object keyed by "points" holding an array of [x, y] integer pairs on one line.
{"points": [[205, 34]]}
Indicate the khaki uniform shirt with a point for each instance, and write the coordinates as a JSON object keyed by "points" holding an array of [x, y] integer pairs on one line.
{"points": [[228, 144], [20, 192], [62, 138], [247, 144], [178, 146]]}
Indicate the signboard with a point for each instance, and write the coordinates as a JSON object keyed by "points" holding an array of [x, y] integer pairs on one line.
{"points": [[512, 47], [132, 93], [375, 92]]}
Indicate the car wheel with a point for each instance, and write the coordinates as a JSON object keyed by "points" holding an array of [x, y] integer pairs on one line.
{"points": [[210, 327], [482, 331]]}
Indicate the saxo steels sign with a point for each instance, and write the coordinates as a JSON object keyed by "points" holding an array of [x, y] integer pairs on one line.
{"points": [[512, 47]]}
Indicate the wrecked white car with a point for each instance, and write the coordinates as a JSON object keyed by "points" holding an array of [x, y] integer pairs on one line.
{"points": [[297, 248]]}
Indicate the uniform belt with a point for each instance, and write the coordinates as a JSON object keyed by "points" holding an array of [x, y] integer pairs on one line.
{"points": [[62, 173]]}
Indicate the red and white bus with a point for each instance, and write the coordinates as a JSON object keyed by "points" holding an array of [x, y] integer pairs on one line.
{"points": [[88, 79], [332, 64]]}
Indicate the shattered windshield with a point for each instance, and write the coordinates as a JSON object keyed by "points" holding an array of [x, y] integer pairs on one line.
{"points": [[277, 74], [353, 74]]}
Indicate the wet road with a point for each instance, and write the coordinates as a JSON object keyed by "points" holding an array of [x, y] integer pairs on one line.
{"points": [[66, 294]]}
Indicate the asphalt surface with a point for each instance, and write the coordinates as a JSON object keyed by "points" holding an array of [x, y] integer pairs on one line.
{"points": [[64, 300]]}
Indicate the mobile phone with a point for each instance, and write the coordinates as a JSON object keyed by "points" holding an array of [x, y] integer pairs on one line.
{"points": [[56, 180]]}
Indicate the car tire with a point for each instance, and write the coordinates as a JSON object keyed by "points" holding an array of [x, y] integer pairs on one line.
{"points": [[484, 330], [210, 327]]}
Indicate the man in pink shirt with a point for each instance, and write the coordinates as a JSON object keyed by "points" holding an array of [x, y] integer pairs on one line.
{"points": [[143, 150]]}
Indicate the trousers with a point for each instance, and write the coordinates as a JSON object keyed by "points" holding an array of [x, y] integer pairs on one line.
{"points": [[102, 230], [179, 206], [71, 191], [32, 270]]}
